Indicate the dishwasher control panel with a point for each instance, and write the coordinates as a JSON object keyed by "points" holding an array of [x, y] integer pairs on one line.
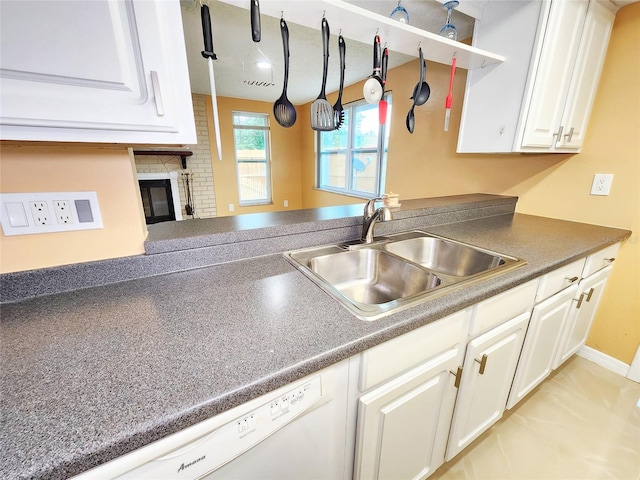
{"points": [[212, 451]]}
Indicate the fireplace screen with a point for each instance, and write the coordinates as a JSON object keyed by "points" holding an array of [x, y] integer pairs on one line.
{"points": [[157, 201]]}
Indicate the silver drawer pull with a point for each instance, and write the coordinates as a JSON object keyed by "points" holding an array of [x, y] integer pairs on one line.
{"points": [[572, 279], [558, 134], [569, 135], [610, 260]]}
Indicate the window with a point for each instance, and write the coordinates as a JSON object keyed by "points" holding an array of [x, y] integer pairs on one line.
{"points": [[251, 138], [352, 160]]}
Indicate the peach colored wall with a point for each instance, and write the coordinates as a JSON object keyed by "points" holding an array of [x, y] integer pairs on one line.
{"points": [[70, 168], [285, 159]]}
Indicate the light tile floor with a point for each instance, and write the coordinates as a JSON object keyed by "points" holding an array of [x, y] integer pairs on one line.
{"points": [[582, 423]]}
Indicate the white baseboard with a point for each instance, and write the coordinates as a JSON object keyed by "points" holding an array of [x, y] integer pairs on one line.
{"points": [[604, 360]]}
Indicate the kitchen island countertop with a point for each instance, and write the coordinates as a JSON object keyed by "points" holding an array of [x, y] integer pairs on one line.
{"points": [[92, 374]]}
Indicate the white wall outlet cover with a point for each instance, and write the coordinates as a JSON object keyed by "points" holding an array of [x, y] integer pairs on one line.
{"points": [[49, 212], [601, 184]]}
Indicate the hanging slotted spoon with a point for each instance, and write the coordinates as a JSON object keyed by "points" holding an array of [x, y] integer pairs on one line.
{"points": [[283, 109], [321, 109]]}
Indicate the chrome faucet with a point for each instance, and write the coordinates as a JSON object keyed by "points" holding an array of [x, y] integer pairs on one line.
{"points": [[371, 216]]}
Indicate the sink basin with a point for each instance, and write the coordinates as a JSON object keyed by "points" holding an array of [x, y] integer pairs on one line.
{"points": [[397, 272], [371, 276], [444, 256]]}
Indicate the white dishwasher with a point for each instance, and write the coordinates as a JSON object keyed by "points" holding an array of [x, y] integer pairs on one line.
{"points": [[296, 432]]}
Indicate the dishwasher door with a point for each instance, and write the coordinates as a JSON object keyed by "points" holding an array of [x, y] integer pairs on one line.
{"points": [[296, 432]]}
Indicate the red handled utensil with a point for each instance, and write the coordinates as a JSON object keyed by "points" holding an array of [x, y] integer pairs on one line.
{"points": [[449, 99], [382, 106]]}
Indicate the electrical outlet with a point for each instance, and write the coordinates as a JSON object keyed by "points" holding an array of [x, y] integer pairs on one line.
{"points": [[62, 209], [36, 213], [601, 184], [40, 213]]}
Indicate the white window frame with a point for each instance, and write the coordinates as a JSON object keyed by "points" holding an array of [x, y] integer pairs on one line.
{"points": [[381, 151], [268, 200]]}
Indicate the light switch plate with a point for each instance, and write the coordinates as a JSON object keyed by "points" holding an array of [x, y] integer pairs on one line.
{"points": [[48, 212]]}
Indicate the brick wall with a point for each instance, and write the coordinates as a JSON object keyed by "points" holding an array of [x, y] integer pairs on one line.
{"points": [[198, 165]]}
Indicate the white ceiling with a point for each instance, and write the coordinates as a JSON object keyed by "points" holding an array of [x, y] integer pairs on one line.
{"points": [[232, 42]]}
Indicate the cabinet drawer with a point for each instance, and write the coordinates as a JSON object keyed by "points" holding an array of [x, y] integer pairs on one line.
{"points": [[406, 351], [600, 259], [496, 310], [559, 279]]}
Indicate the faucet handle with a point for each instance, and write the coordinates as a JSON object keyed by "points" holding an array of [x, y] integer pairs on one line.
{"points": [[370, 206]]}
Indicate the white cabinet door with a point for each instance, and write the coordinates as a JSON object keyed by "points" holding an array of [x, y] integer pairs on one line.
{"points": [[403, 424], [583, 311], [488, 370], [104, 70], [541, 343], [553, 76], [586, 74]]}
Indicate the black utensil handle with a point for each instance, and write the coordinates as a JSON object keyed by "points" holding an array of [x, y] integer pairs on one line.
{"points": [[255, 20], [206, 33], [342, 49], [376, 55], [325, 54], [385, 63], [422, 66], [285, 48]]}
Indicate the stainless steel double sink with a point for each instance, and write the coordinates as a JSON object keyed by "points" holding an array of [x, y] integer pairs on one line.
{"points": [[398, 271]]}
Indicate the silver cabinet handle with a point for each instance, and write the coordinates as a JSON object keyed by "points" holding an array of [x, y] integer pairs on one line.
{"points": [[572, 279], [157, 94], [579, 300], [589, 294], [610, 260], [569, 135], [558, 134]]}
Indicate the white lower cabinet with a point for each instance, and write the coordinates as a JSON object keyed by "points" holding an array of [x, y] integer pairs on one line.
{"points": [[583, 311], [424, 396], [541, 344], [489, 366], [403, 424]]}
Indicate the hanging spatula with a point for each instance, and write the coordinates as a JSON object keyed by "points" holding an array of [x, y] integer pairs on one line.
{"points": [[321, 110]]}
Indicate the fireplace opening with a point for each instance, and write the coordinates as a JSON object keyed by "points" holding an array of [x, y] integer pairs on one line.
{"points": [[157, 201]]}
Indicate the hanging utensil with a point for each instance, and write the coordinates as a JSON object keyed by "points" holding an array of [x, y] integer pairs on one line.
{"points": [[321, 110], [449, 100], [372, 89], [338, 110], [209, 54], [283, 110], [382, 106], [256, 67], [422, 91], [411, 119]]}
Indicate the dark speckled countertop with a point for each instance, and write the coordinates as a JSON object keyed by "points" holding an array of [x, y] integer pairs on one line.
{"points": [[92, 374]]}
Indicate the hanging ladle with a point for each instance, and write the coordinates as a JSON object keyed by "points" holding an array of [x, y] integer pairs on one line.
{"points": [[283, 110], [422, 90]]}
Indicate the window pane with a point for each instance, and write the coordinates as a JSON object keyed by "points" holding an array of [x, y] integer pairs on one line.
{"points": [[252, 181], [251, 120], [367, 126], [365, 169], [160, 201], [251, 138], [334, 171], [336, 139], [251, 143]]}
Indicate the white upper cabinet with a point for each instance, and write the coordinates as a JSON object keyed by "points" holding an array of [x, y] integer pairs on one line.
{"points": [[98, 71], [540, 98]]}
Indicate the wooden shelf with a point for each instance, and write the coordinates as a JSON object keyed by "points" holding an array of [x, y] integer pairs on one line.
{"points": [[361, 25]]}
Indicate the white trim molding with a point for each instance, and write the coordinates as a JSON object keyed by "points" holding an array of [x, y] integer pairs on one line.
{"points": [[612, 364], [634, 370], [175, 192]]}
